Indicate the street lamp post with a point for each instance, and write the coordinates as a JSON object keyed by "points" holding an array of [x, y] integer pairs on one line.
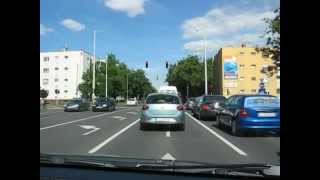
{"points": [[94, 66], [127, 87], [205, 63], [107, 76]]}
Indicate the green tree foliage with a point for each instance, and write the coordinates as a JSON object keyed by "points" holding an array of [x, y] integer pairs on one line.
{"points": [[272, 48], [138, 84], [43, 93], [189, 71]]}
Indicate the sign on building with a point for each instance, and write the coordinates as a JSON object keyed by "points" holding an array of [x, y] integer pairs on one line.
{"points": [[230, 68]]}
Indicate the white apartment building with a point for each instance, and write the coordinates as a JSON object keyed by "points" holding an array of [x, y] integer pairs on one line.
{"points": [[62, 71]]}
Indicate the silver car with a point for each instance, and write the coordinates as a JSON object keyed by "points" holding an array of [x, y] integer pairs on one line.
{"points": [[162, 109]]}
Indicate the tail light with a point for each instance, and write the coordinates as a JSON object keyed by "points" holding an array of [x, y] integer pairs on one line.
{"points": [[243, 113], [205, 107], [145, 107], [180, 108]]}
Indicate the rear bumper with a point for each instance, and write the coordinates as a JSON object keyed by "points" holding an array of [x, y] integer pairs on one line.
{"points": [[208, 114], [260, 124], [71, 109], [162, 120]]}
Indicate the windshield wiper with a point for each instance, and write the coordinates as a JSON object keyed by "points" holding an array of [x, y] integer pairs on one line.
{"points": [[257, 170]]}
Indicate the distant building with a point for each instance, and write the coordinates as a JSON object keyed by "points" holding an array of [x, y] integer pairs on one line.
{"points": [[62, 71], [239, 70]]}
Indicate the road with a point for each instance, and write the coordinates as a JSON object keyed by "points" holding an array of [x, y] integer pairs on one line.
{"points": [[117, 133]]}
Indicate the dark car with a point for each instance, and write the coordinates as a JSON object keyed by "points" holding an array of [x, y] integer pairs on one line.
{"points": [[205, 107], [250, 112], [77, 105], [190, 104], [104, 104]]}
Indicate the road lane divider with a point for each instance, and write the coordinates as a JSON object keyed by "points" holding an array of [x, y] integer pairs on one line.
{"points": [[105, 142], [235, 148], [79, 120]]}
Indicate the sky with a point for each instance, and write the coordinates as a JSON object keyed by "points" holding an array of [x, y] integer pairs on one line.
{"points": [[156, 31]]}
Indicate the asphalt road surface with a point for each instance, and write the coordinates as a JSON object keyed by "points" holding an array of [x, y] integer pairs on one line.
{"points": [[117, 133]]}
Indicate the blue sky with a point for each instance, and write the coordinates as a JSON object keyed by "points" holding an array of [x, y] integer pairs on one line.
{"points": [[153, 30]]}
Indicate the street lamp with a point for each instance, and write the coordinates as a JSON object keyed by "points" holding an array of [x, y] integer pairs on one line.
{"points": [[107, 76], [205, 62], [94, 65]]}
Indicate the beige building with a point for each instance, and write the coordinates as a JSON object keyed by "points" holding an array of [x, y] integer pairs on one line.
{"points": [[239, 70]]}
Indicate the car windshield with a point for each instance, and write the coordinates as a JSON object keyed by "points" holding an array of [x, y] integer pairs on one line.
{"points": [[162, 99], [161, 79]]}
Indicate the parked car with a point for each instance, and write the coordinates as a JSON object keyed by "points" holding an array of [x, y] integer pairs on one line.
{"points": [[103, 104], [206, 106], [77, 105], [250, 112], [132, 102], [162, 109], [190, 103]]}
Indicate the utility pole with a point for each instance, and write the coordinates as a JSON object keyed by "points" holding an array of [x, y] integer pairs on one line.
{"points": [[127, 87], [205, 65]]}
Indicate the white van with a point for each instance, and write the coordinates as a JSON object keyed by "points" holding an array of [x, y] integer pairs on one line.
{"points": [[168, 90]]}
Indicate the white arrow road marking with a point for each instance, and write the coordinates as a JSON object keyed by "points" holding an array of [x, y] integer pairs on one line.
{"points": [[168, 157], [83, 119], [168, 134], [99, 146], [119, 117], [235, 148], [94, 129], [132, 113]]}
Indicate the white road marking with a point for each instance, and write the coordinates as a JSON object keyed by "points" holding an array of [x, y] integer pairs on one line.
{"points": [[94, 129], [119, 117], [48, 113], [168, 134], [132, 113], [78, 120], [220, 137], [168, 157], [105, 142]]}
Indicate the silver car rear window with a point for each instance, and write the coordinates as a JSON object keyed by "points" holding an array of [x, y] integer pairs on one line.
{"points": [[162, 99]]}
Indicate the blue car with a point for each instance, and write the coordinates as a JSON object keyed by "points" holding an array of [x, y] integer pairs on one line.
{"points": [[243, 113]]}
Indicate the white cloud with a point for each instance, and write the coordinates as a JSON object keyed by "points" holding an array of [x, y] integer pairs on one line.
{"points": [[225, 27], [131, 7], [73, 25], [44, 30]]}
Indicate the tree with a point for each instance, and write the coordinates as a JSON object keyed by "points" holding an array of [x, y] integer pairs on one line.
{"points": [[43, 93], [117, 80], [189, 72], [272, 48]]}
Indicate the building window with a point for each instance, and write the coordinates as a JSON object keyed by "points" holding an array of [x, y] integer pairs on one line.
{"points": [[241, 78], [65, 91], [46, 59], [45, 70], [56, 80], [265, 55], [242, 91], [242, 53], [66, 68], [56, 68], [253, 78], [45, 81], [253, 53], [241, 65], [278, 77], [253, 66], [66, 57], [66, 79], [278, 91], [253, 90]]}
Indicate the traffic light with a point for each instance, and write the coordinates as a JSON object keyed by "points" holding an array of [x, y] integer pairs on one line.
{"points": [[167, 65], [146, 64]]}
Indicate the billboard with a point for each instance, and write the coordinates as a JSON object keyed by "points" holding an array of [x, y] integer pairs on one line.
{"points": [[230, 68]]}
